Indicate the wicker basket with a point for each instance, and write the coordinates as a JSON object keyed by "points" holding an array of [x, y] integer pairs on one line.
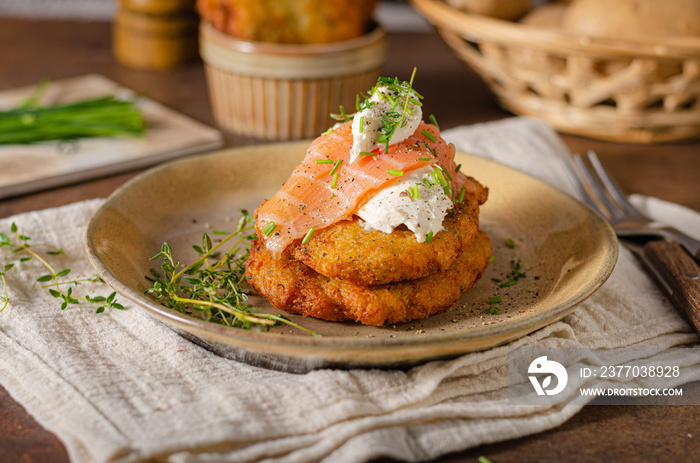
{"points": [[620, 90]]}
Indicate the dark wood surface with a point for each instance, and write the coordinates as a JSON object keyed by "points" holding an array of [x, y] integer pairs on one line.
{"points": [[32, 50]]}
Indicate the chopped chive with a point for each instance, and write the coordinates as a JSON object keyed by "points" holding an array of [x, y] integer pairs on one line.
{"points": [[459, 166], [334, 182], [429, 237], [427, 183], [507, 283], [367, 153], [329, 131], [414, 192], [495, 300], [461, 195], [496, 280], [440, 178], [362, 124], [447, 174], [357, 102], [269, 228], [433, 121], [428, 135], [394, 172], [324, 161], [510, 243], [491, 259], [424, 159], [493, 310], [308, 235], [335, 167]]}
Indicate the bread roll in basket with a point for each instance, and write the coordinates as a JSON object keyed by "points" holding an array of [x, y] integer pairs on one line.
{"points": [[641, 89]]}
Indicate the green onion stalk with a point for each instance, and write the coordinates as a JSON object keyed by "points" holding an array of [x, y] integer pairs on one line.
{"points": [[105, 116]]}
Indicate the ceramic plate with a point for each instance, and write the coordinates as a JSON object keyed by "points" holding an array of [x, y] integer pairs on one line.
{"points": [[565, 250]]}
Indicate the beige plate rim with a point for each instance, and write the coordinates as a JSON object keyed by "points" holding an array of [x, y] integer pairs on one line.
{"points": [[342, 350]]}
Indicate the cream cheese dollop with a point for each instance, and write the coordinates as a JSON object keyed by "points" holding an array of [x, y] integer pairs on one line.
{"points": [[392, 206], [367, 123]]}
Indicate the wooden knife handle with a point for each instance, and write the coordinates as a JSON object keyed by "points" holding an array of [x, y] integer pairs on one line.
{"points": [[681, 273]]}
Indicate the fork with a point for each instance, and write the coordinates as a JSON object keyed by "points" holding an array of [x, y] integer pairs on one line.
{"points": [[667, 254]]}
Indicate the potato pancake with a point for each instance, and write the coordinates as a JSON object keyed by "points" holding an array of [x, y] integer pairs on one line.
{"points": [[292, 286], [349, 252]]}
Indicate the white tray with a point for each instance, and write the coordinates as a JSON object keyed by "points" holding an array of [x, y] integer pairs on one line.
{"points": [[168, 134]]}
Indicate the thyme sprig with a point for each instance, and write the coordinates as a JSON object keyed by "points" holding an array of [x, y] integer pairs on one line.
{"points": [[19, 243], [211, 287]]}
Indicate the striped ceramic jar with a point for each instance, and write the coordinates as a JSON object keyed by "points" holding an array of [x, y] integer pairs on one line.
{"points": [[284, 92]]}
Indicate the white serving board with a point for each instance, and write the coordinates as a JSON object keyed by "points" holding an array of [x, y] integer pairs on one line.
{"points": [[168, 134]]}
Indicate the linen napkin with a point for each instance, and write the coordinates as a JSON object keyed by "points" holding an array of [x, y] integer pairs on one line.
{"points": [[121, 387]]}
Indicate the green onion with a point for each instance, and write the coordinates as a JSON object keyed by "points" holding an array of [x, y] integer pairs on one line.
{"points": [[324, 161], [434, 122], [424, 159], [269, 228], [342, 116], [334, 182], [461, 195], [308, 235], [447, 174], [394, 172], [495, 300], [414, 192], [329, 131], [427, 183], [362, 123], [367, 153], [440, 178], [510, 243], [459, 166], [429, 237], [493, 310], [104, 116], [428, 135], [335, 167], [507, 283]]}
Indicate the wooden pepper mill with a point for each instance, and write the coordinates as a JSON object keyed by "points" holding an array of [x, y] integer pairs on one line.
{"points": [[155, 34]]}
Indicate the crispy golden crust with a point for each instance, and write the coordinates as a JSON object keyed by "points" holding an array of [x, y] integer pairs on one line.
{"points": [[349, 252], [289, 21], [292, 286]]}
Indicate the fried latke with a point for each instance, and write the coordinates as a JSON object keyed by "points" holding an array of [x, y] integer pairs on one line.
{"points": [[289, 21], [296, 288], [349, 252]]}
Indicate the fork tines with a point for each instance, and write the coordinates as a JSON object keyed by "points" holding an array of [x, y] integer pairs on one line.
{"points": [[599, 190]]}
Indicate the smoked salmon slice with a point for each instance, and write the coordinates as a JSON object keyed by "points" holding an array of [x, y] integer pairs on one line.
{"points": [[326, 188]]}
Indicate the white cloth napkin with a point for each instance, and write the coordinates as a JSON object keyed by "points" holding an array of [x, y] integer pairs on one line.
{"points": [[121, 387]]}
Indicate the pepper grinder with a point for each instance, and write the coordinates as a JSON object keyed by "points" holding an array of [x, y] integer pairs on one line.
{"points": [[155, 34]]}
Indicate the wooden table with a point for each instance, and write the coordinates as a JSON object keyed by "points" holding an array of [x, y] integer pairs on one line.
{"points": [[30, 51]]}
